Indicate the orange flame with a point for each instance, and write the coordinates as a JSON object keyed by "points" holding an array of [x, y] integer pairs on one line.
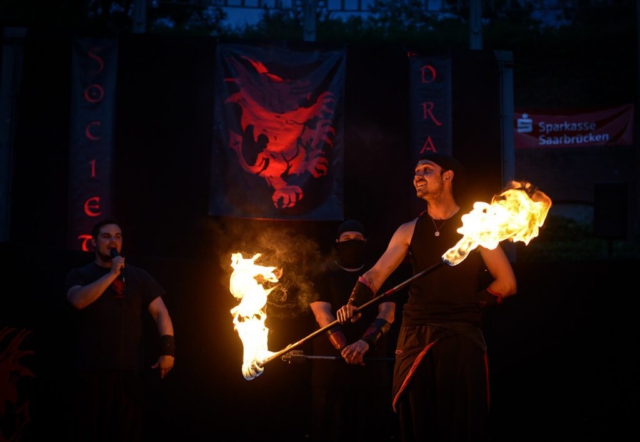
{"points": [[250, 315], [516, 214]]}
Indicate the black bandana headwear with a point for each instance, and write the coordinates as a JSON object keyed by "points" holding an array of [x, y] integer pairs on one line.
{"points": [[351, 225], [351, 253], [447, 162]]}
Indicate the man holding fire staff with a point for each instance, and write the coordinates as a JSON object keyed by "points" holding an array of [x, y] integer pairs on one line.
{"points": [[440, 380]]}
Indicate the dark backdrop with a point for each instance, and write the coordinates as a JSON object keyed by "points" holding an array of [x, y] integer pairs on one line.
{"points": [[551, 369]]}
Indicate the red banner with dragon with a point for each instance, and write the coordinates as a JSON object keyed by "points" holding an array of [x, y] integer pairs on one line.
{"points": [[278, 130]]}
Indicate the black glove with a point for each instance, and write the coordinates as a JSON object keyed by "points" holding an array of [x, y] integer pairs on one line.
{"points": [[378, 328], [361, 293]]}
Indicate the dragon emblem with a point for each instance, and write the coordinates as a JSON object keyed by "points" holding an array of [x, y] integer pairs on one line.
{"points": [[285, 129], [14, 409]]}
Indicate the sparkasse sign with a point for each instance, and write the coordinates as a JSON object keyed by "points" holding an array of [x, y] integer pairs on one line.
{"points": [[576, 128]]}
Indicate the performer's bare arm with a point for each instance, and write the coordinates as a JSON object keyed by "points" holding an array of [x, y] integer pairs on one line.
{"points": [[322, 312], [392, 257], [500, 268], [385, 266]]}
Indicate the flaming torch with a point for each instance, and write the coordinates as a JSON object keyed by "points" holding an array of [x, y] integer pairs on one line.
{"points": [[250, 315], [515, 215]]}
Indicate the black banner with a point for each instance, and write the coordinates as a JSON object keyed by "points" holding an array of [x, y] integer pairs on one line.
{"points": [[278, 133], [91, 151], [430, 103]]}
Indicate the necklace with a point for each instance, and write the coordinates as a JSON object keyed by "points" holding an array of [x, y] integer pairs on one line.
{"points": [[349, 270], [437, 232]]}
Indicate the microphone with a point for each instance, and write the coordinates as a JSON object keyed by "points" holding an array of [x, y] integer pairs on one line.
{"points": [[114, 252]]}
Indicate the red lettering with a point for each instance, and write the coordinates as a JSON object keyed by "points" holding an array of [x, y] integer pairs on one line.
{"points": [[428, 70], [96, 57], [94, 93], [99, 60], [87, 131], [426, 112], [428, 146], [85, 240], [92, 204]]}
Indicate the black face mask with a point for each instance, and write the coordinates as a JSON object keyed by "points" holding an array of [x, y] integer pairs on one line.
{"points": [[351, 253]]}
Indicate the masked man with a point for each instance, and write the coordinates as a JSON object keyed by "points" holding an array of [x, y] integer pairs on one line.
{"points": [[351, 386]]}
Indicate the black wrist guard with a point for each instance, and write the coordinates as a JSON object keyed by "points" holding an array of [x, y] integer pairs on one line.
{"points": [[361, 293], [487, 298], [378, 328], [337, 337], [167, 345]]}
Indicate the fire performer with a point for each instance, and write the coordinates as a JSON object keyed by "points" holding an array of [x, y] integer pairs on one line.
{"points": [[440, 380], [351, 395]]}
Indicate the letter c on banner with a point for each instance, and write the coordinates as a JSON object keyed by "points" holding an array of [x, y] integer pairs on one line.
{"points": [[88, 133]]}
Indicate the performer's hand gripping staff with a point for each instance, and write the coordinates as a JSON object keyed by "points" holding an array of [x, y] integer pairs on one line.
{"points": [[362, 292]]}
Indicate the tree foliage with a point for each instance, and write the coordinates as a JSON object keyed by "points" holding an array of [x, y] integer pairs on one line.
{"points": [[563, 57], [116, 16]]}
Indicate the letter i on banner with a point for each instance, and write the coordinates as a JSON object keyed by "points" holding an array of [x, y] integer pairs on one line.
{"points": [[430, 105], [94, 69]]}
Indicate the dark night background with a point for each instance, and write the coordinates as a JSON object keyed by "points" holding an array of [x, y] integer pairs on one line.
{"points": [[562, 351]]}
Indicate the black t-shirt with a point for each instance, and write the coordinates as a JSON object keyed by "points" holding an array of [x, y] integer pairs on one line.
{"points": [[110, 330], [335, 288]]}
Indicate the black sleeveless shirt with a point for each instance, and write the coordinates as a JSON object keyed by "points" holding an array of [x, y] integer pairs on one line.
{"points": [[448, 293]]}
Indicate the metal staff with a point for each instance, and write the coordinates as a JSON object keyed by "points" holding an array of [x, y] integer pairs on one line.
{"points": [[298, 356], [363, 306]]}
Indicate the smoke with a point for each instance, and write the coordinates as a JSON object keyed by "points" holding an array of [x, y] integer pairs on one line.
{"points": [[299, 259], [294, 252]]}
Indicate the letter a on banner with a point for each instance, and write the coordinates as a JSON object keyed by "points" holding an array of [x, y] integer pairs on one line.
{"points": [[278, 131], [91, 152]]}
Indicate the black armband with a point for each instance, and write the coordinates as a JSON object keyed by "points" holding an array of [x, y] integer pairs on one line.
{"points": [[488, 298], [337, 337], [361, 293], [378, 328], [167, 345]]}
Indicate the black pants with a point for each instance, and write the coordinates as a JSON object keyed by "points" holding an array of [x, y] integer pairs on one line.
{"points": [[446, 399], [351, 415], [108, 407]]}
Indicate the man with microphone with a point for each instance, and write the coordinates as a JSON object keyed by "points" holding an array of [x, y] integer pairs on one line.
{"points": [[110, 299]]}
